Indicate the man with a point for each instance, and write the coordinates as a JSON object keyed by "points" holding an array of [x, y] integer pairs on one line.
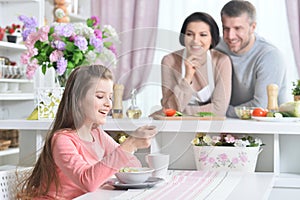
{"points": [[256, 63]]}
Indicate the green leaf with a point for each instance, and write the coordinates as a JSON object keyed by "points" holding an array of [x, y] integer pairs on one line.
{"points": [[70, 65], [89, 22], [44, 69], [77, 57], [107, 44], [205, 114], [70, 46]]}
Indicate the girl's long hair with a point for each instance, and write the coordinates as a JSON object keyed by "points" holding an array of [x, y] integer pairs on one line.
{"points": [[69, 115]]}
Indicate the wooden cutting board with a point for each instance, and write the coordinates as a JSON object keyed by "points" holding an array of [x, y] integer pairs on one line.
{"points": [[161, 117]]}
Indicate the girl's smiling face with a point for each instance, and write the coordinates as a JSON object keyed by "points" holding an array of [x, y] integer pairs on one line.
{"points": [[98, 101]]}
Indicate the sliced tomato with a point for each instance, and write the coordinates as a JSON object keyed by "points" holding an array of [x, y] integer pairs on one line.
{"points": [[169, 112], [259, 112]]}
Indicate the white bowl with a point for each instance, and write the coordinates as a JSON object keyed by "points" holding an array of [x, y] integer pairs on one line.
{"points": [[136, 175]]}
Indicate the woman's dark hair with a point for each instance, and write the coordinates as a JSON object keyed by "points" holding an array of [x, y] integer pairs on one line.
{"points": [[202, 17]]}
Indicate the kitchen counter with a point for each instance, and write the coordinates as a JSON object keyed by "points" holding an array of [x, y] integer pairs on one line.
{"points": [[229, 125]]}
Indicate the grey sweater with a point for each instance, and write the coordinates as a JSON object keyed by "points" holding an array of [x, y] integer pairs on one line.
{"points": [[252, 72]]}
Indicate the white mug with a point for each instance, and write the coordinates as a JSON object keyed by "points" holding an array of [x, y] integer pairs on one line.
{"points": [[158, 162]]}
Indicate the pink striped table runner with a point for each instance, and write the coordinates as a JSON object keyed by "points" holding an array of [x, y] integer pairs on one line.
{"points": [[185, 185]]}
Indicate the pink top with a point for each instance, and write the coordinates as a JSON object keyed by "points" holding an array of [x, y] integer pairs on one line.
{"points": [[84, 166], [177, 93]]}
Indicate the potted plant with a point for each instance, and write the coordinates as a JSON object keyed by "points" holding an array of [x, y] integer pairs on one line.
{"points": [[13, 32], [226, 152], [296, 90]]}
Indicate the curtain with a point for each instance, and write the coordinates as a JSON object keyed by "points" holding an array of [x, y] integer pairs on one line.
{"points": [[293, 13], [136, 22]]}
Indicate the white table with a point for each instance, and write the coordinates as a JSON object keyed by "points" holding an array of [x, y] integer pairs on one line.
{"points": [[235, 186], [32, 132]]}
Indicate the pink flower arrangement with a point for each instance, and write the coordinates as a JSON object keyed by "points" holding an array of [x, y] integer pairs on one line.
{"points": [[67, 46]]}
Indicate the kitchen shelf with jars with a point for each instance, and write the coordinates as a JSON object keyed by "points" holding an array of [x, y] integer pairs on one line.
{"points": [[16, 91], [13, 84]]}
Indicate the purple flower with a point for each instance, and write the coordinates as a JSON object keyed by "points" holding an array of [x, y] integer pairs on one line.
{"points": [[98, 33], [96, 20], [61, 66], [65, 30], [81, 42], [59, 45], [29, 22], [97, 43], [113, 49], [26, 32]]}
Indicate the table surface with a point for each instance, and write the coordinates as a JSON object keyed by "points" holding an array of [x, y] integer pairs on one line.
{"points": [[229, 185]]}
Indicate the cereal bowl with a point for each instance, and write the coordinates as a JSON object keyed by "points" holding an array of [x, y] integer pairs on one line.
{"points": [[244, 112], [133, 175]]}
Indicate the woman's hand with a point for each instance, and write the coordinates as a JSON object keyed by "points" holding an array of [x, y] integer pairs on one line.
{"points": [[191, 63], [139, 139]]}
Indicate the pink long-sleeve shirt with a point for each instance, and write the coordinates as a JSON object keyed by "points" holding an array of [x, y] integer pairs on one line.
{"points": [[84, 166]]}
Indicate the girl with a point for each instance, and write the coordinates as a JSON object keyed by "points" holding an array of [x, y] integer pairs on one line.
{"points": [[78, 156]]}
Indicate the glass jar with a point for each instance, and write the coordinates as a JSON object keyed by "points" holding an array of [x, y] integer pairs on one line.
{"points": [[133, 112]]}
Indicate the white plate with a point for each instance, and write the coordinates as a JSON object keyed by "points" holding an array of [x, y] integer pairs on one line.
{"points": [[123, 186], [274, 119]]}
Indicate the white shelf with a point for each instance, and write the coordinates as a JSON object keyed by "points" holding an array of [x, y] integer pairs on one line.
{"points": [[9, 1], [16, 96], [12, 46], [9, 151], [11, 80]]}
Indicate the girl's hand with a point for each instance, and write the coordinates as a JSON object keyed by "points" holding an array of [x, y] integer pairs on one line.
{"points": [[191, 63], [139, 139]]}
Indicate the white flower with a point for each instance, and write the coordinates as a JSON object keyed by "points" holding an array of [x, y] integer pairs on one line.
{"points": [[195, 141], [108, 58], [258, 141], [83, 30], [241, 143], [122, 139], [207, 139], [90, 56], [111, 32]]}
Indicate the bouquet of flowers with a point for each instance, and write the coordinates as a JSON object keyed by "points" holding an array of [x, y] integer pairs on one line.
{"points": [[65, 46], [224, 139]]}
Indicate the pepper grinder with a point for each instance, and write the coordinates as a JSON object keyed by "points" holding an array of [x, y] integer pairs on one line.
{"points": [[117, 110], [272, 91]]}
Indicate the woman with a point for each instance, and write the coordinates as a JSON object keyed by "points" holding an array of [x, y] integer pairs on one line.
{"points": [[198, 77], [78, 156]]}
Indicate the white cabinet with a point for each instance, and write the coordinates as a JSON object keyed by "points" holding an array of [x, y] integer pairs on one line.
{"points": [[17, 101]]}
